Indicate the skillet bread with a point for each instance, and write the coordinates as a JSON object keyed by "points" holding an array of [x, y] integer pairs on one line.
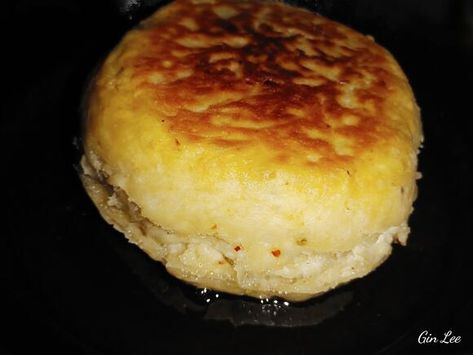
{"points": [[253, 147]]}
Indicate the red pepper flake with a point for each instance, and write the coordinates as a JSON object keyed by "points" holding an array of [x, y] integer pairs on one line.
{"points": [[237, 248], [276, 252]]}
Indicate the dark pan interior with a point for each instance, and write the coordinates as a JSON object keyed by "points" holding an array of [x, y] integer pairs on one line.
{"points": [[74, 285]]}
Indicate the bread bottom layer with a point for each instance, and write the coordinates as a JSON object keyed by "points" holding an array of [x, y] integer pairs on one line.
{"points": [[211, 262]]}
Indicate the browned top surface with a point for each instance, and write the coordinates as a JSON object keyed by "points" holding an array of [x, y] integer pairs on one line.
{"points": [[243, 73]]}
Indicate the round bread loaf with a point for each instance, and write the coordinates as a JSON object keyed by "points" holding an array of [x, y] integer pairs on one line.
{"points": [[253, 147]]}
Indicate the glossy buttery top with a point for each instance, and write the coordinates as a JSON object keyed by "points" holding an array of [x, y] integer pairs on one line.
{"points": [[214, 116]]}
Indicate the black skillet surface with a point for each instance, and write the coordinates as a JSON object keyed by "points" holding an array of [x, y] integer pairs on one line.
{"points": [[71, 284]]}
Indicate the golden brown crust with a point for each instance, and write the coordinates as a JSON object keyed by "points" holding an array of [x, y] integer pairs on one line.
{"points": [[270, 73]]}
